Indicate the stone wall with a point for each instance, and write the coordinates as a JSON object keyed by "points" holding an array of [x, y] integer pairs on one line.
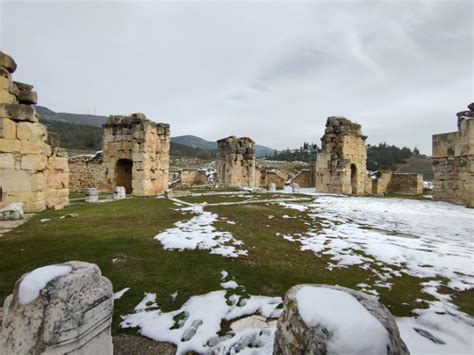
{"points": [[453, 162], [33, 170], [267, 177], [304, 178], [405, 183], [136, 154], [193, 177], [236, 162], [87, 172], [379, 185], [341, 164]]}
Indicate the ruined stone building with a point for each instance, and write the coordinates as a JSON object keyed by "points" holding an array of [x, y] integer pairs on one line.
{"points": [[136, 154], [236, 162], [341, 165], [33, 169], [453, 162]]}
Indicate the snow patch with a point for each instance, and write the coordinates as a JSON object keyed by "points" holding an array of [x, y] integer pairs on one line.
{"points": [[118, 295], [36, 280]]}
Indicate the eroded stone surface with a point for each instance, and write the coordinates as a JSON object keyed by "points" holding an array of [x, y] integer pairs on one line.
{"points": [[293, 336], [72, 314]]}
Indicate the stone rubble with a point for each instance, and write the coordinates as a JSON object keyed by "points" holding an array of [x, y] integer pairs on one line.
{"points": [[13, 212]]}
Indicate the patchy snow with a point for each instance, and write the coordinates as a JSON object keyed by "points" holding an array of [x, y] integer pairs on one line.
{"points": [[230, 284], [199, 233], [118, 295], [389, 237], [348, 321], [36, 280], [148, 302], [174, 295], [195, 326], [294, 206]]}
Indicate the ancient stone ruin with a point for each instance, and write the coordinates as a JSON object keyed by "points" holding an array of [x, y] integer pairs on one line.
{"points": [[304, 328], [236, 162], [453, 162], [341, 165], [59, 309], [33, 169], [136, 154], [87, 171]]}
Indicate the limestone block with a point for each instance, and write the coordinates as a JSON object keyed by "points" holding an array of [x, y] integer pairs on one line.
{"points": [[92, 195], [15, 180], [33, 147], [35, 162], [58, 163], [7, 129], [13, 212], [18, 112], [304, 329], [59, 309], [6, 97], [7, 62], [38, 182], [25, 94], [10, 145], [119, 193], [7, 161], [57, 199], [31, 131]]}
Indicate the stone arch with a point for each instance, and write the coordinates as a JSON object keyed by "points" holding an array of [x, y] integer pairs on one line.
{"points": [[354, 179], [123, 174]]}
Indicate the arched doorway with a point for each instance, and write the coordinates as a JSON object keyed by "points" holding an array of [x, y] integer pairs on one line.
{"points": [[123, 174], [354, 179]]}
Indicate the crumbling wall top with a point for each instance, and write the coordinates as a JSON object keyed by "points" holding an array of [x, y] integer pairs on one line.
{"points": [[121, 121], [342, 125]]}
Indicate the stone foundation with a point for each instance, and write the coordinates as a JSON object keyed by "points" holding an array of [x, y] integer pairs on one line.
{"points": [[341, 164], [453, 162], [305, 178], [33, 170], [136, 154], [236, 162]]}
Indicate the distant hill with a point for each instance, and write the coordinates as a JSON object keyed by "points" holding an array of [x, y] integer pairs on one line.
{"points": [[417, 164], [197, 142], [83, 119]]}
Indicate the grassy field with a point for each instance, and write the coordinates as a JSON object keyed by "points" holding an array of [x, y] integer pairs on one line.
{"points": [[118, 236]]}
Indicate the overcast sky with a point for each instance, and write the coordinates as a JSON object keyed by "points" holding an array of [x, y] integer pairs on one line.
{"points": [[273, 71]]}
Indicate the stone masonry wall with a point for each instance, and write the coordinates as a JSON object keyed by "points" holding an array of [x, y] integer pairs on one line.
{"points": [[236, 162], [453, 162], [341, 165], [193, 177], [87, 172], [143, 144], [33, 170], [304, 178], [406, 184], [379, 185], [266, 177]]}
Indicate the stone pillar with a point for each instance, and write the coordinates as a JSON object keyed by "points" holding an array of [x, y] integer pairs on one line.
{"points": [[59, 309], [341, 166], [236, 162], [312, 323], [136, 154], [119, 193]]}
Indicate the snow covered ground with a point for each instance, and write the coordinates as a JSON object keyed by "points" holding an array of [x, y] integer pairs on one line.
{"points": [[199, 233], [388, 237], [420, 238]]}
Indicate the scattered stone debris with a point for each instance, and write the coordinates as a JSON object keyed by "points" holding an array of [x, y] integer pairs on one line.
{"points": [[13, 212]]}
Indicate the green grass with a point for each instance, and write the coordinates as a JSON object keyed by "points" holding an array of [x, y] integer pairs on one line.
{"points": [[124, 230]]}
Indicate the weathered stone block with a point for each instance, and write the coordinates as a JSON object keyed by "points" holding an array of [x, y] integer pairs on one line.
{"points": [[69, 311], [35, 162], [31, 131], [7, 129], [12, 212], [10, 145], [7, 62], [92, 195], [304, 329], [18, 112], [7, 161]]}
